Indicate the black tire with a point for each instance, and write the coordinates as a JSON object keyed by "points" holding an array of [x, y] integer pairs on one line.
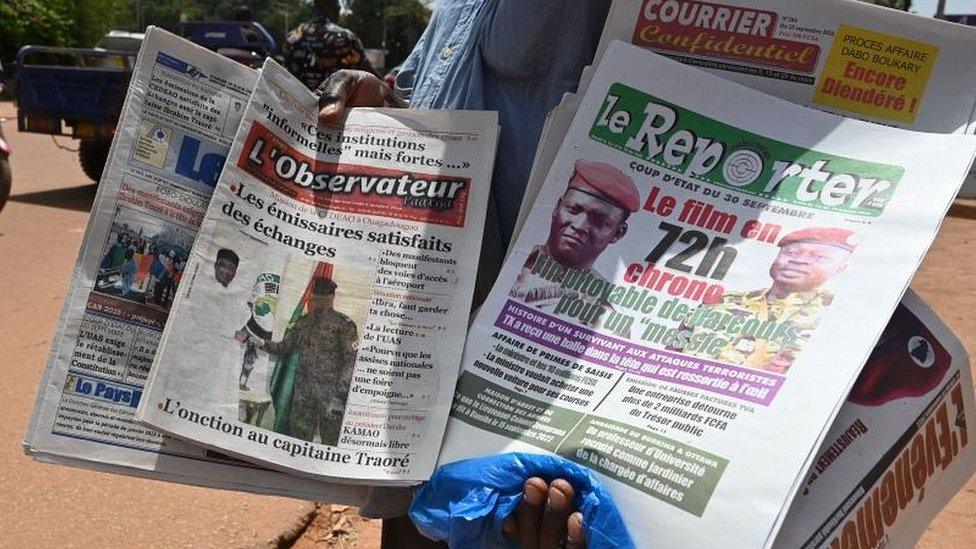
{"points": [[93, 153], [6, 179]]}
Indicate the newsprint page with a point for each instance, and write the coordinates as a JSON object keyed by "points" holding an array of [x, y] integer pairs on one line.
{"points": [[900, 447], [321, 320], [700, 281], [180, 116], [842, 56]]}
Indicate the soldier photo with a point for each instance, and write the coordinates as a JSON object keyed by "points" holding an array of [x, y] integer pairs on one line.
{"points": [[320, 47], [324, 343], [590, 216], [807, 260]]}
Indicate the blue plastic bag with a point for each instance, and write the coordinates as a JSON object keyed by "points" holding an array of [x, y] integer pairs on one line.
{"points": [[466, 502]]}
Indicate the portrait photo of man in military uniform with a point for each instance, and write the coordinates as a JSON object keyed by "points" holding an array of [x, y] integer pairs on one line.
{"points": [[321, 349], [791, 307], [590, 216]]}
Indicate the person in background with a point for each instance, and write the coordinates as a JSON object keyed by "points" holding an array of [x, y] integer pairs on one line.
{"points": [[319, 47], [516, 58], [128, 273]]}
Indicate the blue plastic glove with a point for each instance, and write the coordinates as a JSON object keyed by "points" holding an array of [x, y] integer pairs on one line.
{"points": [[466, 503]]}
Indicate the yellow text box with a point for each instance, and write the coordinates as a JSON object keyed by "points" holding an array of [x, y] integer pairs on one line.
{"points": [[875, 75]]}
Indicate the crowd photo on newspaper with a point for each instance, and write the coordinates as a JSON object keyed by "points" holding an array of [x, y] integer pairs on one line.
{"points": [[584, 274]]}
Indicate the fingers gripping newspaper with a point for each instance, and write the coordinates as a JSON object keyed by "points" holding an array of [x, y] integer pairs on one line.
{"points": [[900, 447], [360, 238], [180, 116], [694, 291]]}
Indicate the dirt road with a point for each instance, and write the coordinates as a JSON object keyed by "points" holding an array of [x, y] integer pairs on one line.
{"points": [[40, 231], [48, 506]]}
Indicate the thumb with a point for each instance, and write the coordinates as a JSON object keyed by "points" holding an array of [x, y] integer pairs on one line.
{"points": [[334, 93]]}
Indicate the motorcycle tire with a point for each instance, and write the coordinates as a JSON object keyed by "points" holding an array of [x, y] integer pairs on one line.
{"points": [[6, 180], [93, 154]]}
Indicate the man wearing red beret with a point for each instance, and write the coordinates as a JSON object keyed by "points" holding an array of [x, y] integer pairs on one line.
{"points": [[590, 215], [788, 311]]}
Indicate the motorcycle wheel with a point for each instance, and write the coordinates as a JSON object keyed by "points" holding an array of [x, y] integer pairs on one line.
{"points": [[93, 153], [6, 179]]}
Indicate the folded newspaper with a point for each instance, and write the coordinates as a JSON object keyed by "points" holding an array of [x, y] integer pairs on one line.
{"points": [[698, 272], [899, 448], [912, 406], [181, 113], [321, 321]]}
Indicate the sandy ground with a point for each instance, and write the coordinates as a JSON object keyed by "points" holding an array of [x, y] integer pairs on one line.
{"points": [[48, 506], [43, 505]]}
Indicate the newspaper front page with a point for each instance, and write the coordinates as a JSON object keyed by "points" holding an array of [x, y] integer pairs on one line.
{"points": [[181, 113], [900, 447], [324, 308], [702, 276], [841, 56]]}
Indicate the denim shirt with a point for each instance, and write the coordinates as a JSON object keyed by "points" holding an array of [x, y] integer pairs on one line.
{"points": [[517, 57]]}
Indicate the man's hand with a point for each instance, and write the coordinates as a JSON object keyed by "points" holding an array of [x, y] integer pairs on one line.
{"points": [[349, 88], [545, 519], [240, 336]]}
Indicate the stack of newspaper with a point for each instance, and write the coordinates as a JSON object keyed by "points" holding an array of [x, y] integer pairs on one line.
{"points": [[689, 300]]}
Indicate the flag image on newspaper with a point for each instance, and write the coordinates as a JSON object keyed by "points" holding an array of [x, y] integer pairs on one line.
{"points": [[694, 291], [323, 311]]}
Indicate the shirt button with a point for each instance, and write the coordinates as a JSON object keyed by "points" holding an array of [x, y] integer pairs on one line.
{"points": [[447, 53]]}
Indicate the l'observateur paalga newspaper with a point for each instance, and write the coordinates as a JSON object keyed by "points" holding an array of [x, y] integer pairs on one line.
{"points": [[900, 447], [705, 265], [850, 58], [338, 260], [181, 113]]}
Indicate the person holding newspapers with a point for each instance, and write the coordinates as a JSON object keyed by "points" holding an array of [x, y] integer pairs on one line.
{"points": [[501, 56]]}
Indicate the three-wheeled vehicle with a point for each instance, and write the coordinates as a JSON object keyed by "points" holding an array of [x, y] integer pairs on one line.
{"points": [[6, 177], [79, 92]]}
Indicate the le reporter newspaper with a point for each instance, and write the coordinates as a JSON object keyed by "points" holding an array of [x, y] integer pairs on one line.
{"points": [[378, 217], [199, 467], [662, 365]]}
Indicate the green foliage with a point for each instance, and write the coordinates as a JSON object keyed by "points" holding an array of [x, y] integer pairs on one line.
{"points": [[82, 22], [405, 21], [32, 22], [903, 5]]}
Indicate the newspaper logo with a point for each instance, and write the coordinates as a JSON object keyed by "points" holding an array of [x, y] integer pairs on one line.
{"points": [[368, 190], [718, 31], [742, 167], [116, 393], [693, 145], [921, 352]]}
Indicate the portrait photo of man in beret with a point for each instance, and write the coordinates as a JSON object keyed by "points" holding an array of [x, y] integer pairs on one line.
{"points": [[590, 216], [807, 260]]}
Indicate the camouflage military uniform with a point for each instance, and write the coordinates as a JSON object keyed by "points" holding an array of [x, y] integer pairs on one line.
{"points": [[544, 294], [326, 340], [802, 309], [318, 48]]}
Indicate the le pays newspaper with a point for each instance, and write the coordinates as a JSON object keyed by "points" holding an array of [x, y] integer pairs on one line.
{"points": [[341, 262], [696, 273], [180, 116]]}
